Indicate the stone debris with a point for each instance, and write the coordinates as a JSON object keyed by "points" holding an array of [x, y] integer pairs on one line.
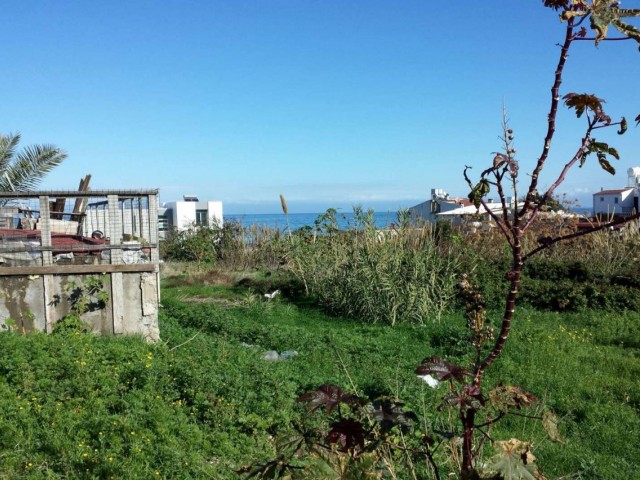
{"points": [[274, 356]]}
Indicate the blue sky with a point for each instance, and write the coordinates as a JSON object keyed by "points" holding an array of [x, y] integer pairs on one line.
{"points": [[329, 102]]}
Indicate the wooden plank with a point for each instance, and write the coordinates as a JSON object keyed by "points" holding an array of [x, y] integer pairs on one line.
{"points": [[52, 212], [49, 303], [58, 208], [80, 206], [73, 193], [117, 302], [86, 247], [71, 269], [83, 187]]}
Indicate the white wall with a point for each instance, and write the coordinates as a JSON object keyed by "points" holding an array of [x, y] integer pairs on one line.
{"points": [[214, 211], [605, 203], [422, 211], [184, 213]]}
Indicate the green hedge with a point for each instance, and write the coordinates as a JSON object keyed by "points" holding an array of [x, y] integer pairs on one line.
{"points": [[562, 286]]}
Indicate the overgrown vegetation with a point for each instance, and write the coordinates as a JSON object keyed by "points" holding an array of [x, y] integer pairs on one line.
{"points": [[231, 246], [399, 275], [203, 403], [216, 399], [407, 274]]}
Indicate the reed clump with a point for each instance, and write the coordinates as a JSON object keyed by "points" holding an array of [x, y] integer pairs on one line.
{"points": [[402, 274]]}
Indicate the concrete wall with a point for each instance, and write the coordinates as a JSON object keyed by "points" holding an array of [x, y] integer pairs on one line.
{"points": [[35, 305], [214, 211], [35, 284], [184, 214], [422, 211]]}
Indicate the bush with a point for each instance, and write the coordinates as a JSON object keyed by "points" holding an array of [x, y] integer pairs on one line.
{"points": [[196, 244], [231, 246], [553, 284]]}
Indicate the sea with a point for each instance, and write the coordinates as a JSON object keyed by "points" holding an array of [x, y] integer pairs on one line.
{"points": [[300, 220]]}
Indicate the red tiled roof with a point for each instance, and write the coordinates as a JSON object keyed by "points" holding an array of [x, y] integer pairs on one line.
{"points": [[62, 242]]}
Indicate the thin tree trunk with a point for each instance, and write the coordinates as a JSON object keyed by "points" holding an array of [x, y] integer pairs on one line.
{"points": [[514, 276], [468, 420]]}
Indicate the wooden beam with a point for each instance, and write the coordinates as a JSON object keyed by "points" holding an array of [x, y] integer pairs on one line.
{"points": [[80, 206], [117, 302], [72, 269], [74, 193], [49, 303], [57, 211]]}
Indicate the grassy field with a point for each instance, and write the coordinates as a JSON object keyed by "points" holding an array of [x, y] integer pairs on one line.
{"points": [[204, 402]]}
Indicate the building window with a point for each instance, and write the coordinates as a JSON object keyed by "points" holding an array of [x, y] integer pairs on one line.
{"points": [[615, 200], [201, 217], [163, 223], [602, 199]]}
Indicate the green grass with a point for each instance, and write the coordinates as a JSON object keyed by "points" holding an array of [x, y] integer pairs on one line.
{"points": [[203, 402], [586, 367]]}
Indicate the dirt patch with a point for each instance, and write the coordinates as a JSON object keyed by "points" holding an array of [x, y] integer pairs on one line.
{"points": [[218, 301], [174, 277]]}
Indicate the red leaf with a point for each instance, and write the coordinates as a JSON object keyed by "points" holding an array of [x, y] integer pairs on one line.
{"points": [[584, 101], [347, 434], [329, 397], [441, 369]]}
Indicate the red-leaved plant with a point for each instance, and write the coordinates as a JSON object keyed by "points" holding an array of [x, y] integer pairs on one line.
{"points": [[357, 442], [514, 220]]}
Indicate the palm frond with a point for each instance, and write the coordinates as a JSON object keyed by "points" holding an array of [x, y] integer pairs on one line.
{"points": [[8, 144], [31, 165]]}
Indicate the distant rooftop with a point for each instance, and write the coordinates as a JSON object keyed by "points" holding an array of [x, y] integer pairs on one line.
{"points": [[465, 202], [612, 192]]}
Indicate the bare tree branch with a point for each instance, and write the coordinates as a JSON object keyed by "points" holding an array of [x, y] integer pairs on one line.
{"points": [[551, 119]]}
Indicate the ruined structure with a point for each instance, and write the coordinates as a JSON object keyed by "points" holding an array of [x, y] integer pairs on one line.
{"points": [[54, 244]]}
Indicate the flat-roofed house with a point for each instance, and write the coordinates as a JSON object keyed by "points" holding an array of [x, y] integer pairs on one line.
{"points": [[191, 211], [622, 201]]}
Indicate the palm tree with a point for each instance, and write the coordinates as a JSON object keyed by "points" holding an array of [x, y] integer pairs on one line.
{"points": [[23, 170]]}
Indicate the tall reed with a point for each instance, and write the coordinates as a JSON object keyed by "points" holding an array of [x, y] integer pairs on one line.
{"points": [[285, 210], [395, 275]]}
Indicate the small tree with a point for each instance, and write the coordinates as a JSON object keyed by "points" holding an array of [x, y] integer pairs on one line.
{"points": [[479, 408], [23, 170], [515, 221]]}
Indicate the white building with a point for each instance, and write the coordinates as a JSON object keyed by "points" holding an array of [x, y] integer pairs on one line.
{"points": [[443, 207], [189, 212], [623, 201]]}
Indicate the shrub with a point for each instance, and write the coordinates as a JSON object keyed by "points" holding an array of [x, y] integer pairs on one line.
{"points": [[196, 244], [231, 246]]}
